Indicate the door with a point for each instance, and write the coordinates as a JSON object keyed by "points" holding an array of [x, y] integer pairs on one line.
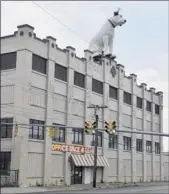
{"points": [[76, 175]]}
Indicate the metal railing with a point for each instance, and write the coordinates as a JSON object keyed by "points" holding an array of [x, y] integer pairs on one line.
{"points": [[9, 178]]}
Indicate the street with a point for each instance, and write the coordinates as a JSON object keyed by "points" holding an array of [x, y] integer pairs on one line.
{"points": [[134, 189]]}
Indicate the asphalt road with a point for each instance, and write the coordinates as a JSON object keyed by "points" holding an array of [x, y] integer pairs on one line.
{"points": [[135, 189]]}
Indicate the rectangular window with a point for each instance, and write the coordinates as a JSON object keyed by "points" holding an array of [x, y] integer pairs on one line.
{"points": [[126, 143], [99, 139], [79, 79], [148, 106], [97, 86], [157, 148], [6, 129], [139, 145], [8, 61], [60, 72], [139, 102], [77, 136], [58, 134], [127, 98], [148, 146], [36, 132], [113, 141], [157, 109], [5, 162], [39, 64], [113, 92]]}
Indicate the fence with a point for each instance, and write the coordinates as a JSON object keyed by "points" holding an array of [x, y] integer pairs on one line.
{"points": [[9, 178]]}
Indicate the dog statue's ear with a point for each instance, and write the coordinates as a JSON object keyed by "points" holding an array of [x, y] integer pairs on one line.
{"points": [[117, 12]]}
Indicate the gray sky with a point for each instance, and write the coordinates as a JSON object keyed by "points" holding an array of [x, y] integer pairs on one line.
{"points": [[141, 45]]}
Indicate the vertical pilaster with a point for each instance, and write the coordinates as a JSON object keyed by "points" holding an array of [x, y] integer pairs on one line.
{"points": [[119, 121], [144, 136], [152, 137], [48, 112], [21, 99], [133, 126], [70, 77]]}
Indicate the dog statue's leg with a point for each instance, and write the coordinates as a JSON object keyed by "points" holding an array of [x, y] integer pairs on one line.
{"points": [[106, 44], [111, 50]]}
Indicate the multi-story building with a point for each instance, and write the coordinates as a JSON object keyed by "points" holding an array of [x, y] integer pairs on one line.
{"points": [[43, 84]]}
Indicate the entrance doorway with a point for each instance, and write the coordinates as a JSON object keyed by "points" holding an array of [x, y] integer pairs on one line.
{"points": [[76, 175]]}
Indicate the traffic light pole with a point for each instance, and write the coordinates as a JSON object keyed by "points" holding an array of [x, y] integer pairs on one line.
{"points": [[96, 107]]}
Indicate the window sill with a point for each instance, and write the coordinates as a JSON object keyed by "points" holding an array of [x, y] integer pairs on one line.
{"points": [[157, 114], [36, 72], [149, 111], [61, 81], [127, 104], [112, 149], [36, 140], [140, 109], [157, 154], [97, 146], [57, 142], [6, 138], [73, 144], [78, 87], [148, 153], [98, 94], [127, 151], [113, 99], [139, 152], [8, 70]]}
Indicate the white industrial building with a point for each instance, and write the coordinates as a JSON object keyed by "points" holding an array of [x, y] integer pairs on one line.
{"points": [[43, 84]]}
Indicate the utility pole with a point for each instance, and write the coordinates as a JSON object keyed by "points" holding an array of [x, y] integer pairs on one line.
{"points": [[96, 107]]}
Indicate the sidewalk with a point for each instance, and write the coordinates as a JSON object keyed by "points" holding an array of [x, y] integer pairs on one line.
{"points": [[14, 190]]}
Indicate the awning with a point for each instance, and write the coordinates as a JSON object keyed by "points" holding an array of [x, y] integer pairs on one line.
{"points": [[88, 160]]}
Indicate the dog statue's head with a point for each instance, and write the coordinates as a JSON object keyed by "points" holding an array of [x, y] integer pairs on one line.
{"points": [[118, 19]]}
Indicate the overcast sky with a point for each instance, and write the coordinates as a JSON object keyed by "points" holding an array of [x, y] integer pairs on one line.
{"points": [[141, 45]]}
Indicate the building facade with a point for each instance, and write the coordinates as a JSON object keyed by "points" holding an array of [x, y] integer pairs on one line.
{"points": [[45, 85]]}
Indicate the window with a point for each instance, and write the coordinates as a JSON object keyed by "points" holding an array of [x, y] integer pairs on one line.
{"points": [[127, 98], [36, 132], [5, 162], [148, 146], [139, 145], [157, 148], [112, 92], [148, 106], [113, 141], [8, 61], [38, 64], [61, 72], [77, 136], [6, 130], [157, 109], [97, 86], [139, 102], [99, 139], [126, 143], [79, 79], [76, 174], [60, 137]]}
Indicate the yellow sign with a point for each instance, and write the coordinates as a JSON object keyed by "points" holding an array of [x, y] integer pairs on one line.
{"points": [[71, 148]]}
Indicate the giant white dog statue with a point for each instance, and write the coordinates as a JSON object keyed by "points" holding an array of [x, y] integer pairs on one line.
{"points": [[102, 42]]}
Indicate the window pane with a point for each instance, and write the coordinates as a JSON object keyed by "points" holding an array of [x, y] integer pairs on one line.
{"points": [[79, 79], [61, 72], [39, 64], [30, 132], [35, 132], [97, 86], [8, 61], [113, 92], [40, 132]]}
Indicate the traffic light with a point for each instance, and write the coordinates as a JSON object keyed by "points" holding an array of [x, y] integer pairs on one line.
{"points": [[94, 125], [113, 128], [50, 132], [107, 126], [87, 127]]}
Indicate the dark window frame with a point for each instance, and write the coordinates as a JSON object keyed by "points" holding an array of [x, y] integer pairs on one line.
{"points": [[5, 162], [113, 92], [62, 134], [11, 59], [79, 79], [77, 136], [139, 145], [157, 148], [157, 109], [113, 142], [38, 129], [149, 146], [139, 102], [38, 62], [95, 86], [127, 143], [100, 139], [148, 106], [61, 72], [127, 98], [6, 129]]}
